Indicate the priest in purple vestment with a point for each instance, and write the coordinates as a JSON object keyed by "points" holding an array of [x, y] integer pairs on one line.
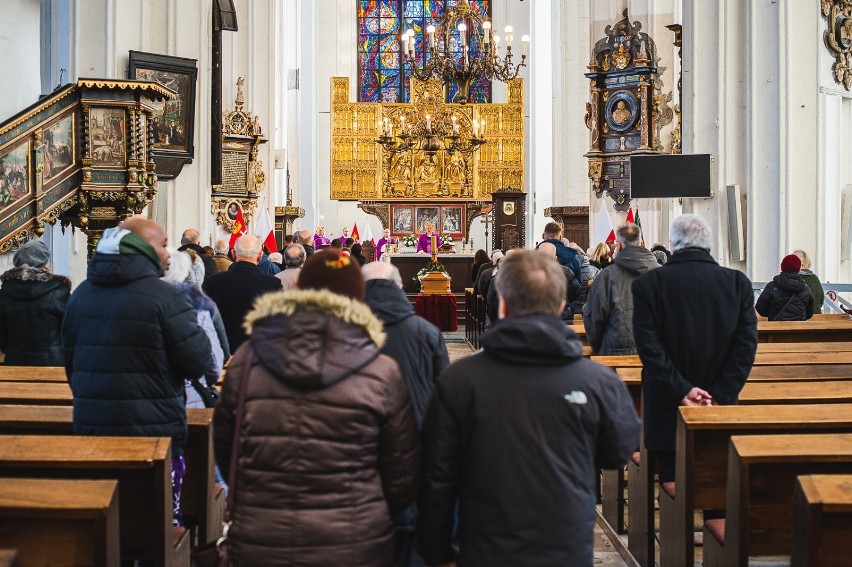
{"points": [[424, 242], [385, 241], [320, 239]]}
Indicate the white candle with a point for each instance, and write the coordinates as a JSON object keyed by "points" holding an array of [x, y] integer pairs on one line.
{"points": [[476, 128], [402, 124], [428, 123], [496, 44], [431, 31], [462, 29], [455, 126], [525, 40], [486, 31]]}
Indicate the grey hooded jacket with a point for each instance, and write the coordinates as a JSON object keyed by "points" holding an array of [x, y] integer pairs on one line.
{"points": [[608, 312]]}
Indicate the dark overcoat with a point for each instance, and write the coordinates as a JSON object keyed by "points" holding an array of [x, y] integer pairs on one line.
{"points": [[694, 325]]}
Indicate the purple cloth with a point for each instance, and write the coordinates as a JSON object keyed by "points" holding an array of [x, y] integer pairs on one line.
{"points": [[178, 473], [320, 241], [424, 242], [382, 242]]}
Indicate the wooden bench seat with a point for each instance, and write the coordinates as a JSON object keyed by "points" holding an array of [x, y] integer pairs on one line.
{"points": [[761, 359], [762, 473], [703, 436], [32, 374], [781, 373], [36, 393], [54, 523], [822, 521], [142, 466], [202, 504]]}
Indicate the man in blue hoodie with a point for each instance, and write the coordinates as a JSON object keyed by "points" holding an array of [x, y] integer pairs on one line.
{"points": [[129, 340]]}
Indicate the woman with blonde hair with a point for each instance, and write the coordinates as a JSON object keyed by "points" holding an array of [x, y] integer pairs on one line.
{"points": [[600, 256], [811, 280]]}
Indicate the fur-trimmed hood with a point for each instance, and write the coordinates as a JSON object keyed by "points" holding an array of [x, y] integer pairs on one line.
{"points": [[28, 282], [313, 338]]}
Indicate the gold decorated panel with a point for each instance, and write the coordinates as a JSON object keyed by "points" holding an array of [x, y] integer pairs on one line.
{"points": [[362, 170]]}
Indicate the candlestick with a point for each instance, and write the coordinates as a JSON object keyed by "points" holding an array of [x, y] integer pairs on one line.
{"points": [[431, 31], [462, 35], [486, 29], [525, 41], [428, 123]]}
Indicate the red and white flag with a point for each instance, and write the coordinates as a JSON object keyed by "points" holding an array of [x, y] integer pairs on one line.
{"points": [[239, 227], [355, 235], [603, 231], [368, 234], [263, 227]]}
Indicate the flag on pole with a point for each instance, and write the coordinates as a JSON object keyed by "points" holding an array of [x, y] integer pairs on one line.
{"points": [[603, 231], [630, 216], [368, 234], [263, 227], [355, 235], [637, 221], [239, 227]]}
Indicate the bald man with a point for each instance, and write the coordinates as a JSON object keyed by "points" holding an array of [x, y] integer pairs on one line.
{"points": [[129, 340], [235, 290]]}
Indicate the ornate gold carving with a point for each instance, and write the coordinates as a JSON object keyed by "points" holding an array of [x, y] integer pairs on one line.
{"points": [[838, 38], [154, 90], [621, 57], [362, 170]]}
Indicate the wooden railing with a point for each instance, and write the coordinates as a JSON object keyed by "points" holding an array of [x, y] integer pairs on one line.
{"points": [[474, 317]]}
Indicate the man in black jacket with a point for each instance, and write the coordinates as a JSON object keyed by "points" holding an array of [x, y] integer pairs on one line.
{"points": [[191, 240], [418, 347], [235, 290], [696, 333], [129, 340], [515, 434]]}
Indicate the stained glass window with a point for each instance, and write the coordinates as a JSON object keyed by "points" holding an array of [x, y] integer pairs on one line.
{"points": [[380, 24]]}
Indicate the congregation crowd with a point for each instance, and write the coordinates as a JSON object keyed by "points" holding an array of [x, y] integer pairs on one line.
{"points": [[359, 444]]}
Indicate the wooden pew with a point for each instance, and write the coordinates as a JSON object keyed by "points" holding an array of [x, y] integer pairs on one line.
{"points": [[61, 522], [36, 393], [703, 434], [202, 502], [804, 331], [761, 359], [787, 372], [32, 374], [762, 473], [142, 466], [822, 521]]}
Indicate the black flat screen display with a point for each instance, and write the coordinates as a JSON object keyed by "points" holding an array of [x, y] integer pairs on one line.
{"points": [[670, 176]]}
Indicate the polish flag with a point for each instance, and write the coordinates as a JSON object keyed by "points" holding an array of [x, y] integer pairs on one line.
{"points": [[603, 231], [263, 228], [239, 227]]}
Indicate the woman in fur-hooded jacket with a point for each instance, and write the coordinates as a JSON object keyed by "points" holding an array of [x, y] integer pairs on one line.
{"points": [[329, 443], [32, 302]]}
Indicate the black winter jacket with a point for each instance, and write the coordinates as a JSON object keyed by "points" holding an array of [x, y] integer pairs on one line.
{"points": [[515, 433], [32, 302], [786, 298], [129, 340], [694, 325]]}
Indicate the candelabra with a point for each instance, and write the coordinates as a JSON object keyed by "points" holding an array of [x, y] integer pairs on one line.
{"points": [[431, 135], [477, 54]]}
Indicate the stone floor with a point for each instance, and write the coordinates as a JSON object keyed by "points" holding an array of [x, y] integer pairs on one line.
{"points": [[605, 552]]}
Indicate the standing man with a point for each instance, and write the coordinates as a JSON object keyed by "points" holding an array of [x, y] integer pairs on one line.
{"points": [[515, 433], [566, 256], [424, 241], [385, 241], [294, 259], [320, 239], [696, 333], [608, 313], [307, 241], [130, 340], [191, 240], [418, 347], [220, 256], [234, 291]]}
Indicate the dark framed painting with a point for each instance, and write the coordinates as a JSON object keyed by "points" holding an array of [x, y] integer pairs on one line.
{"points": [[402, 220], [452, 221], [173, 121], [427, 216], [58, 153]]}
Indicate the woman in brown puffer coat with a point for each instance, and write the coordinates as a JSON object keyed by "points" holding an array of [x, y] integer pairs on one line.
{"points": [[329, 443]]}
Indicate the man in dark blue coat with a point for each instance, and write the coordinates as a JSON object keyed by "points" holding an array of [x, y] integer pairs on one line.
{"points": [[566, 256], [129, 340], [418, 347], [515, 434], [695, 332], [235, 290]]}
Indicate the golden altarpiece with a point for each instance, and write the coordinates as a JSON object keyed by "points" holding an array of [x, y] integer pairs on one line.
{"points": [[397, 187]]}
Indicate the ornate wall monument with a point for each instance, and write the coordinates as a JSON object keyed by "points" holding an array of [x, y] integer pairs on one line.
{"points": [[243, 179], [838, 38], [626, 109]]}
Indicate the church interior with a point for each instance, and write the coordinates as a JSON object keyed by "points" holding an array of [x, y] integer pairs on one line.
{"points": [[482, 119]]}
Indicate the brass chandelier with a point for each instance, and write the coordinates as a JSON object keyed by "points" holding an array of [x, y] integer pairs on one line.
{"points": [[478, 54]]}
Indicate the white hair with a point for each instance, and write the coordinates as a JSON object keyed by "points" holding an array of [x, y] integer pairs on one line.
{"points": [[180, 264], [690, 231], [381, 271], [247, 246]]}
